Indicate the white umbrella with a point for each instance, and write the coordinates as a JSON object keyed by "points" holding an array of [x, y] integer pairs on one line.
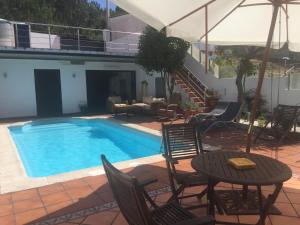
{"points": [[225, 22]]}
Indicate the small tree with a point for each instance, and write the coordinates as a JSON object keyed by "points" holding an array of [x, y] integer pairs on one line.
{"points": [[240, 58], [162, 54]]}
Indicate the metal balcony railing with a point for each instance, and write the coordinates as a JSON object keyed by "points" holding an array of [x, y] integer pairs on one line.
{"points": [[59, 37]]}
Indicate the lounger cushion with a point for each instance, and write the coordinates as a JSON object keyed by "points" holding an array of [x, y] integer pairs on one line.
{"points": [[142, 105], [120, 105]]}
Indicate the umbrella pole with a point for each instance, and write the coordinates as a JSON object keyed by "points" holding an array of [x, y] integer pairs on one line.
{"points": [[261, 75]]}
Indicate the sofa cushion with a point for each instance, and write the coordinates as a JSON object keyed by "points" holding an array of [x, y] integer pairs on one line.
{"points": [[158, 100], [142, 105], [115, 99], [147, 99], [120, 105]]}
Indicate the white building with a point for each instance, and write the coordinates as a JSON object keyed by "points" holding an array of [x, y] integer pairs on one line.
{"points": [[45, 74]]}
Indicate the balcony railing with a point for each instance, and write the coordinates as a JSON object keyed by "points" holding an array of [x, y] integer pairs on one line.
{"points": [[58, 37]]}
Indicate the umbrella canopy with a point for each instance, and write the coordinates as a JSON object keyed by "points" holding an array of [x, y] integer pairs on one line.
{"points": [[230, 22], [248, 22]]}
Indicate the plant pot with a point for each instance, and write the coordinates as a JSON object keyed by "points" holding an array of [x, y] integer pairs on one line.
{"points": [[211, 103], [261, 122], [189, 113]]}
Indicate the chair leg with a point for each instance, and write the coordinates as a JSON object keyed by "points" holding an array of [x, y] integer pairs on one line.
{"points": [[258, 135], [204, 192], [175, 195]]}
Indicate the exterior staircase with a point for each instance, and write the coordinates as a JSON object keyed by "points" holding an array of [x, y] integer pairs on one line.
{"points": [[195, 90]]}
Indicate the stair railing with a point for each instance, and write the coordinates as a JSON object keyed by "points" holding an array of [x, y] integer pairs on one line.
{"points": [[194, 82]]}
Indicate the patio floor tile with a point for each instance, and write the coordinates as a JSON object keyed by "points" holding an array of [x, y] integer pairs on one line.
{"points": [[284, 220], [60, 208], [104, 218], [106, 196], [77, 221], [294, 197], [286, 209], [7, 220], [5, 199], [297, 208], [28, 216], [74, 184], [55, 198], [282, 197], [120, 220], [92, 200], [76, 193], [6, 209], [28, 204], [50, 189], [23, 195], [252, 219]]}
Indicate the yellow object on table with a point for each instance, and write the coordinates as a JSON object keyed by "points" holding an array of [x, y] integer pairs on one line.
{"points": [[241, 163]]}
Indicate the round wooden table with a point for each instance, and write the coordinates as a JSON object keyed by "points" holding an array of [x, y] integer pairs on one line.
{"points": [[268, 171]]}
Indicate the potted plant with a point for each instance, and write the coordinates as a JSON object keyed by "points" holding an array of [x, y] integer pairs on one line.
{"points": [[189, 109], [261, 121], [212, 98]]}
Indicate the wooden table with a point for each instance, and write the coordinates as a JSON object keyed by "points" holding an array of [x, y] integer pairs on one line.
{"points": [[268, 171]]}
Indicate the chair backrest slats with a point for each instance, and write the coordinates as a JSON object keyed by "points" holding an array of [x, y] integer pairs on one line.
{"points": [[128, 194], [181, 140], [285, 116]]}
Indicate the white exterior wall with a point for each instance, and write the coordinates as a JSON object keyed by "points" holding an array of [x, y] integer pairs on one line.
{"points": [[17, 89], [227, 89]]}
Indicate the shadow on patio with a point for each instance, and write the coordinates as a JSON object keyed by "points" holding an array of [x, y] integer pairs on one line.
{"points": [[88, 201]]}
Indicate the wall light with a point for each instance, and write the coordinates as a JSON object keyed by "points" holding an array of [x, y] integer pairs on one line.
{"points": [[73, 75]]}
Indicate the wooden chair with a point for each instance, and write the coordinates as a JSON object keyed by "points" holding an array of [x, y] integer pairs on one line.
{"points": [[182, 142], [130, 196], [282, 121]]}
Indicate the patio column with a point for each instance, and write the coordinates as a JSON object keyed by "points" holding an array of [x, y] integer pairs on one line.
{"points": [[276, 5]]}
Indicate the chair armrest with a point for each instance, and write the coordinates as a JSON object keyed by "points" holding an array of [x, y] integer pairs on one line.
{"points": [[146, 182], [204, 220], [169, 159]]}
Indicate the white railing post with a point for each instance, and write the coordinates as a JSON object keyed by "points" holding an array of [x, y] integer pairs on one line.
{"points": [[17, 36], [78, 39], [127, 43], [29, 28], [49, 33]]}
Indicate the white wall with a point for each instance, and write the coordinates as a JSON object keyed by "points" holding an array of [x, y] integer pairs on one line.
{"points": [[227, 89], [17, 89], [41, 40]]}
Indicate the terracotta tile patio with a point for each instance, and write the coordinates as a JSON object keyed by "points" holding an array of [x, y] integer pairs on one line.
{"points": [[89, 201]]}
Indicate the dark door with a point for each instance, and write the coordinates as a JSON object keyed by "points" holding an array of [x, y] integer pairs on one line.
{"points": [[160, 87], [97, 84], [48, 93], [123, 89]]}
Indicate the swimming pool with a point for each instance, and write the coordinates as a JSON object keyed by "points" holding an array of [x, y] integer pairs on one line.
{"points": [[57, 146]]}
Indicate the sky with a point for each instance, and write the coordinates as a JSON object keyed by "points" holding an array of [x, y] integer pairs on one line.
{"points": [[103, 2]]}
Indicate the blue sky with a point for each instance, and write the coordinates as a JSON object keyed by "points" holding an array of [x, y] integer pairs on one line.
{"points": [[103, 2]]}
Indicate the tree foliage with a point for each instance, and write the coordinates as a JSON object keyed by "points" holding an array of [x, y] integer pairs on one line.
{"points": [[240, 57], [118, 12], [65, 12], [162, 54]]}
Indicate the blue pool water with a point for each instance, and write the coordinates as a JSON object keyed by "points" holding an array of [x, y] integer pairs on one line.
{"points": [[58, 146]]}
